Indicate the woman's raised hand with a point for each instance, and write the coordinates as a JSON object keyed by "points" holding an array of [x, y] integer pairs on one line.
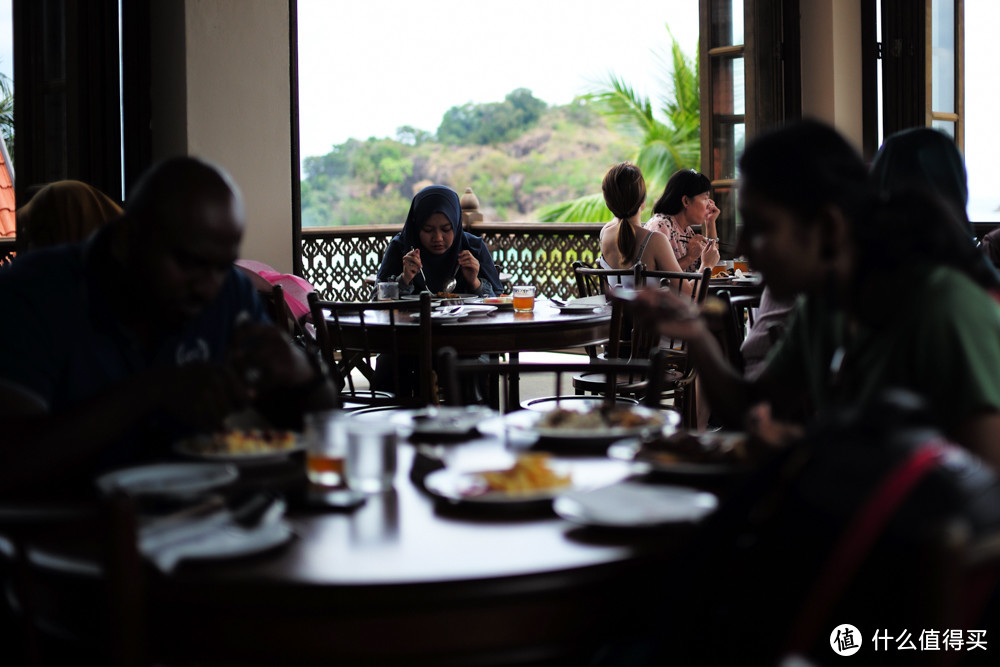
{"points": [[710, 254], [713, 212], [411, 266], [470, 268], [671, 315]]}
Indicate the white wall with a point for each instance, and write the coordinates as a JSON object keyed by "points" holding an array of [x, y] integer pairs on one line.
{"points": [[831, 65], [221, 92]]}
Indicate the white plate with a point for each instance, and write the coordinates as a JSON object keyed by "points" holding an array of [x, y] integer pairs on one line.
{"points": [[465, 487], [629, 451], [168, 479], [634, 505], [443, 421], [668, 420], [195, 448], [595, 301], [503, 303]]}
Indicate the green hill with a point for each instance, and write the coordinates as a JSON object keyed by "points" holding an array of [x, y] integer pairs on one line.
{"points": [[561, 155]]}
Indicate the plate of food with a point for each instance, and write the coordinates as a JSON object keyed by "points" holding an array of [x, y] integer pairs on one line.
{"points": [[688, 454], [242, 445], [598, 423], [635, 505], [533, 478], [503, 302]]}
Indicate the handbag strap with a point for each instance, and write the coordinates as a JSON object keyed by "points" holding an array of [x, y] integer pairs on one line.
{"points": [[857, 540]]}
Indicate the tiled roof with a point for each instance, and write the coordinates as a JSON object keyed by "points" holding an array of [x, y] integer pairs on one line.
{"points": [[8, 221]]}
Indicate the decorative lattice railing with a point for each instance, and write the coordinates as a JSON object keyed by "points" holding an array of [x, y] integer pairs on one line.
{"points": [[338, 259]]}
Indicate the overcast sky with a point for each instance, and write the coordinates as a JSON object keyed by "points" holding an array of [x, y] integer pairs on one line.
{"points": [[366, 68]]}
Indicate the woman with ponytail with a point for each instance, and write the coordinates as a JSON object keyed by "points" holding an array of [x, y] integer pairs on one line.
{"points": [[624, 243]]}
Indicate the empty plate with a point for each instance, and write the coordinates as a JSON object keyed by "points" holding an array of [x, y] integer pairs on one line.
{"points": [[635, 505], [168, 479]]}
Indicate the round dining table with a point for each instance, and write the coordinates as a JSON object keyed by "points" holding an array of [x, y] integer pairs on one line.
{"points": [[411, 578]]}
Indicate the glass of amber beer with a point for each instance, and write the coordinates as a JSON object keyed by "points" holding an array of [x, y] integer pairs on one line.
{"points": [[523, 297], [326, 448]]}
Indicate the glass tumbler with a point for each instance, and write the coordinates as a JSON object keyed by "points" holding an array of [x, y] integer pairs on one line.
{"points": [[371, 455], [523, 297]]}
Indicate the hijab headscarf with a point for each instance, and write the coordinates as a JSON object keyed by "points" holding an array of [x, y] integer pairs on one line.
{"points": [[64, 212], [440, 268]]}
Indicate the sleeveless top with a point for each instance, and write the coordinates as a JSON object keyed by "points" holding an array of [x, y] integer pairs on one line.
{"points": [[628, 282]]}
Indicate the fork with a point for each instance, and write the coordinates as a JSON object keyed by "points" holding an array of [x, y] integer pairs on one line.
{"points": [[426, 289]]}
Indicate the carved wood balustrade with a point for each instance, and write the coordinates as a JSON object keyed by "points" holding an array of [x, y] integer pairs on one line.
{"points": [[338, 259]]}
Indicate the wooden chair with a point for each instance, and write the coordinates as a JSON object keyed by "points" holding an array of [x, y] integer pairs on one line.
{"points": [[67, 610], [342, 354], [592, 281], [649, 371]]}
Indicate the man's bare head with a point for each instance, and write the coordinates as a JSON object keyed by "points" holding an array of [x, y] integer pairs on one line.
{"points": [[184, 225]]}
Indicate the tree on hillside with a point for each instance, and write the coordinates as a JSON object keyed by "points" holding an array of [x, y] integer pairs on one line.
{"points": [[490, 123], [663, 147]]}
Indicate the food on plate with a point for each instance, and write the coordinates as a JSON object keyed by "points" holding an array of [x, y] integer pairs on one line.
{"points": [[530, 473], [503, 299], [722, 274], [246, 441], [598, 418], [685, 447], [448, 295]]}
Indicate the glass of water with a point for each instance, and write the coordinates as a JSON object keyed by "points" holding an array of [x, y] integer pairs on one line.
{"points": [[371, 455]]}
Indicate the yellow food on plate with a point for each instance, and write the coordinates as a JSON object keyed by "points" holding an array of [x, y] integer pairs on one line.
{"points": [[530, 473], [249, 441]]}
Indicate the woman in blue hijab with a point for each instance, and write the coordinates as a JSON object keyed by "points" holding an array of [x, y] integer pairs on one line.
{"points": [[433, 241]]}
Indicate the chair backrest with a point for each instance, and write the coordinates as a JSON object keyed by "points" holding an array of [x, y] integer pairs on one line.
{"points": [[698, 281], [345, 331], [453, 370], [111, 626], [591, 281]]}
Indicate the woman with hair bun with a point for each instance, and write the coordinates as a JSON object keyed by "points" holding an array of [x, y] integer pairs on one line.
{"points": [[686, 201], [624, 243]]}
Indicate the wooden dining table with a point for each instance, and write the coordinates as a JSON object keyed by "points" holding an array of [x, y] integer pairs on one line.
{"points": [[413, 579], [503, 331]]}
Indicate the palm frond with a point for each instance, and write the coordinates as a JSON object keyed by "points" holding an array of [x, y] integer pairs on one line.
{"points": [[629, 112], [588, 208]]}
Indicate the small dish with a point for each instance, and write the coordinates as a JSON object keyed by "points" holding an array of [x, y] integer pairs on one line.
{"points": [[635, 505], [168, 479]]}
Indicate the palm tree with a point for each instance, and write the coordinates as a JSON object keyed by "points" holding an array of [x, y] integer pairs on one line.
{"points": [[663, 147], [7, 113]]}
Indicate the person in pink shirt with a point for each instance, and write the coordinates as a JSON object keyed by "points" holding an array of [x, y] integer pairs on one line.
{"points": [[687, 201]]}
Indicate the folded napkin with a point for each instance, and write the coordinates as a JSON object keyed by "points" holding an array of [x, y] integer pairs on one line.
{"points": [[211, 532]]}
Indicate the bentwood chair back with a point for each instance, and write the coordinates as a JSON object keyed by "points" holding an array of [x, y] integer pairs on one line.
{"points": [[64, 610], [650, 370], [345, 331], [591, 281]]}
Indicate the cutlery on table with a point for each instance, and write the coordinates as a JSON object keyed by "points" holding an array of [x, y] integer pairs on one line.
{"points": [[558, 302], [426, 289]]}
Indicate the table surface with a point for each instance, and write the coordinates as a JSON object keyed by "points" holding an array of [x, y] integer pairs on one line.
{"points": [[438, 579], [502, 331]]}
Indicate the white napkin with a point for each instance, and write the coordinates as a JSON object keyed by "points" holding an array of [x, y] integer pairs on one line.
{"points": [[213, 535]]}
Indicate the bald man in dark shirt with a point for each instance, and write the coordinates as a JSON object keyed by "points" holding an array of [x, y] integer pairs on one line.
{"points": [[142, 334]]}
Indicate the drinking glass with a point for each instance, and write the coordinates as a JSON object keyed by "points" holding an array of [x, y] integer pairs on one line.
{"points": [[326, 447], [371, 455], [388, 291], [523, 297]]}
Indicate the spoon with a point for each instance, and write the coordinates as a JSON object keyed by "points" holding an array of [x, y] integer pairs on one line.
{"points": [[450, 286]]}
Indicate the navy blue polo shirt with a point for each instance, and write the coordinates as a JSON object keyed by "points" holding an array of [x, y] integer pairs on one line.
{"points": [[60, 336]]}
